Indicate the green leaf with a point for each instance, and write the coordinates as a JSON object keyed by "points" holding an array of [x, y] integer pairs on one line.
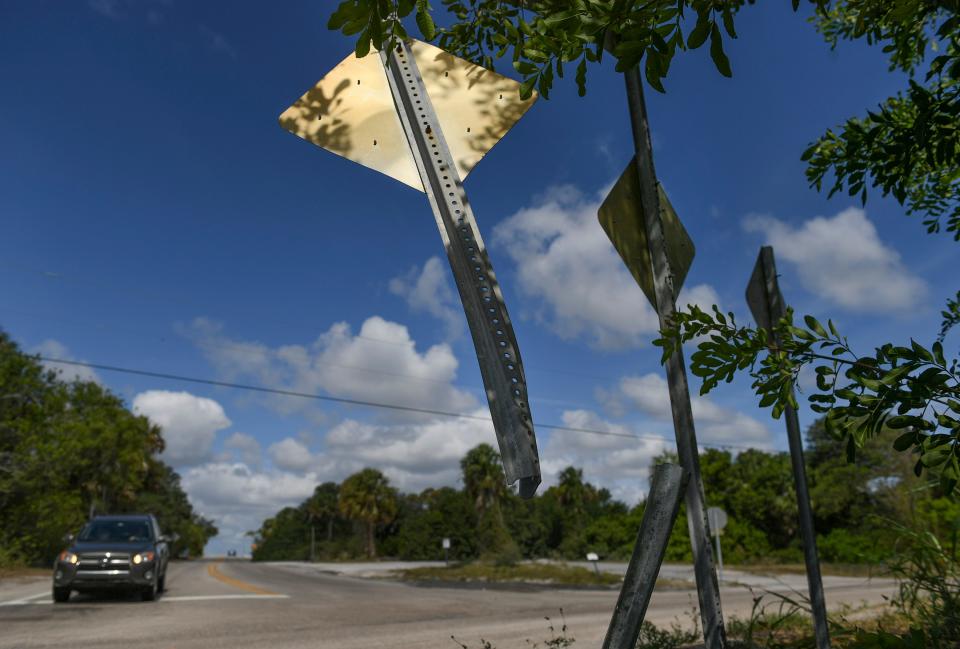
{"points": [[582, 77], [526, 88], [728, 23], [814, 325], [716, 52], [699, 34], [525, 67], [652, 71], [363, 44], [559, 17], [426, 25]]}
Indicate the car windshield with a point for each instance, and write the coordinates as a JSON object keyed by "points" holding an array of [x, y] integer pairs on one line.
{"points": [[116, 531]]}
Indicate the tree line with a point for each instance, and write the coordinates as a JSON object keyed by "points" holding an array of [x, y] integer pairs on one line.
{"points": [[857, 508], [69, 449]]}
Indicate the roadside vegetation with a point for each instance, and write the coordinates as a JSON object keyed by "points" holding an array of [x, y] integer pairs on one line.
{"points": [[859, 508], [530, 573], [72, 448]]}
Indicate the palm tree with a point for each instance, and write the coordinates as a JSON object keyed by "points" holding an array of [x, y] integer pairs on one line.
{"points": [[321, 506], [483, 478], [367, 496], [485, 484], [573, 493]]}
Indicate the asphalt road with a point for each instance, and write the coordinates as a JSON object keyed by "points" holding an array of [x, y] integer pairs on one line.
{"points": [[237, 604]]}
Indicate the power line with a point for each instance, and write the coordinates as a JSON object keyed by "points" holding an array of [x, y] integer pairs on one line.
{"points": [[358, 402]]}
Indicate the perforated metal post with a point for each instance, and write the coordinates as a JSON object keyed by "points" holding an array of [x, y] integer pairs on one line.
{"points": [[490, 327], [667, 487]]}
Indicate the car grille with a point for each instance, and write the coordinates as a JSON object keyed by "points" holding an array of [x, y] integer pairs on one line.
{"points": [[104, 561]]}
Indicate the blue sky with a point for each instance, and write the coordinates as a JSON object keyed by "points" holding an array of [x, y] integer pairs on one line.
{"points": [[155, 216]]}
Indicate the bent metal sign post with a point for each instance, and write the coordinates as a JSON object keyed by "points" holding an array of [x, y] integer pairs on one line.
{"points": [[425, 117]]}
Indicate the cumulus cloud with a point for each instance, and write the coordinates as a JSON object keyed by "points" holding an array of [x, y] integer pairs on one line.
{"points": [[620, 462], [380, 363], [428, 290], [715, 424], [55, 349], [566, 262], [190, 423], [244, 448], [842, 259], [415, 455], [292, 455], [239, 498]]}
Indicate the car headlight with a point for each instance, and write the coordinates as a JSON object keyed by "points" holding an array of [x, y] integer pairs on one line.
{"points": [[69, 557], [143, 557]]}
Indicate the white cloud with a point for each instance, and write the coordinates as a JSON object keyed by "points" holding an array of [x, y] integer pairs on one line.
{"points": [[380, 363], [619, 463], [55, 349], [244, 448], [428, 290], [842, 259], [714, 423], [292, 455], [238, 499], [564, 258], [416, 455], [190, 423]]}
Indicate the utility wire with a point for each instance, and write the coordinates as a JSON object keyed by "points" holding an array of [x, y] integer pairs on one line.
{"points": [[358, 402]]}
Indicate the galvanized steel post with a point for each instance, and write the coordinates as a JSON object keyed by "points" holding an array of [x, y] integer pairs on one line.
{"points": [[666, 490], [708, 589], [490, 326], [766, 302]]}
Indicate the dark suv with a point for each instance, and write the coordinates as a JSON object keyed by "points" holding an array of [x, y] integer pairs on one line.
{"points": [[114, 552]]}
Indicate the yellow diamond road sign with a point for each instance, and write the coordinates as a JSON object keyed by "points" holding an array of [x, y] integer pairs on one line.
{"points": [[621, 217], [351, 112]]}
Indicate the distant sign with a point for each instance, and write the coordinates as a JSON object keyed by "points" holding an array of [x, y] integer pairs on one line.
{"points": [[717, 519], [446, 544], [592, 556]]}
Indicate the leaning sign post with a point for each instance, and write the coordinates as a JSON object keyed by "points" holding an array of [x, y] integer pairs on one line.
{"points": [[767, 305], [653, 244], [425, 117], [667, 485]]}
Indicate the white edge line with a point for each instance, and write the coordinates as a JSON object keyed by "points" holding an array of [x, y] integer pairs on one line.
{"points": [[25, 600], [196, 598]]}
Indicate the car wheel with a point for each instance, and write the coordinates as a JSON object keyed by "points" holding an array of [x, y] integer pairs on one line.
{"points": [[61, 595], [149, 593]]}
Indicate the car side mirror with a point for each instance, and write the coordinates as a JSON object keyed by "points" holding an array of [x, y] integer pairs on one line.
{"points": [[68, 538]]}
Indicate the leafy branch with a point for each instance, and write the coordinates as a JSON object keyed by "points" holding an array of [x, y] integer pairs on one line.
{"points": [[910, 146], [951, 317], [543, 37], [913, 389]]}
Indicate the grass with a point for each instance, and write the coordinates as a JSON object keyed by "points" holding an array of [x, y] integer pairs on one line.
{"points": [[531, 573], [16, 572], [832, 569]]}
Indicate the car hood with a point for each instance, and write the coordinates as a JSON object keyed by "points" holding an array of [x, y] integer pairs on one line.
{"points": [[96, 546]]}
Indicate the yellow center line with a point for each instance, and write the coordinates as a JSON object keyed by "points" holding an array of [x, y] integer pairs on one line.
{"points": [[214, 571]]}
